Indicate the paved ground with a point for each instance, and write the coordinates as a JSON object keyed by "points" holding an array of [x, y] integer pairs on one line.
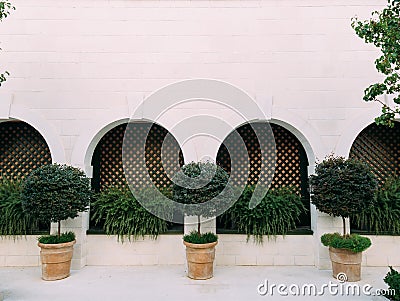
{"points": [[170, 283]]}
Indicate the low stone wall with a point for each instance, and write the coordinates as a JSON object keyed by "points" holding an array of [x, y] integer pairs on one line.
{"points": [[289, 250], [232, 249], [384, 251], [19, 252], [107, 250]]}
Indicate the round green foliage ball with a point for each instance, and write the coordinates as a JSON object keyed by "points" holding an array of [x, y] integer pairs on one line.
{"points": [[342, 187], [213, 181], [55, 192]]}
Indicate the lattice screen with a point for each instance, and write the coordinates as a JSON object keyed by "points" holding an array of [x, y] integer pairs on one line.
{"points": [[107, 159], [290, 156], [291, 161], [379, 146], [22, 149]]}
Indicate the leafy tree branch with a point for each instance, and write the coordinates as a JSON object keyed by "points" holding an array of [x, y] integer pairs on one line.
{"points": [[5, 10], [383, 31]]}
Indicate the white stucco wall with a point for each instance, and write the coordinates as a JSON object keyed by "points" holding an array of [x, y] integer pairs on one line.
{"points": [[76, 63]]}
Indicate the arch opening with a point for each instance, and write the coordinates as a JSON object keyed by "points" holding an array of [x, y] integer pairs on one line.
{"points": [[107, 159], [379, 147], [291, 169], [22, 150]]}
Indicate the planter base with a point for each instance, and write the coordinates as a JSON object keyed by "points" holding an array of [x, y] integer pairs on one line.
{"points": [[56, 260], [200, 260], [347, 262]]}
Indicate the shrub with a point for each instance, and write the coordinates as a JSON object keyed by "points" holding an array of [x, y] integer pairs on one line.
{"points": [[384, 214], [353, 242], [196, 238], [56, 192], [13, 219], [392, 279], [343, 187], [55, 239], [214, 180], [277, 213], [124, 216]]}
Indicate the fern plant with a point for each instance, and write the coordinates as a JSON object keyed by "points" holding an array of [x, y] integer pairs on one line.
{"points": [[384, 214], [276, 214], [122, 215], [13, 220]]}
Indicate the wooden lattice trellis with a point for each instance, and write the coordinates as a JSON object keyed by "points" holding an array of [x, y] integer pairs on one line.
{"points": [[379, 146], [290, 155], [22, 149], [291, 163], [107, 159]]}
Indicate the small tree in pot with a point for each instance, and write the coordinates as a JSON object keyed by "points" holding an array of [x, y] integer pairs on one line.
{"points": [[211, 181], [343, 187], [53, 193]]}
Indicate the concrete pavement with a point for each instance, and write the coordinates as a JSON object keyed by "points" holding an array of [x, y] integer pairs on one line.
{"points": [[170, 283]]}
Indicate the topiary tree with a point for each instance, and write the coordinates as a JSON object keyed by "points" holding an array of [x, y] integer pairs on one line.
{"points": [[211, 182], [55, 192], [343, 187], [383, 31]]}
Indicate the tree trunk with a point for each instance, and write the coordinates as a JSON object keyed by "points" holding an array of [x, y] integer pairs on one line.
{"points": [[344, 226], [59, 228], [198, 224]]}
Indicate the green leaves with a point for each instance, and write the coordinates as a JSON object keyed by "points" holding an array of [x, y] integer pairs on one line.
{"points": [[343, 187], [353, 242], [392, 279], [196, 238], [124, 216], [56, 192], [5, 10], [212, 180], [275, 215], [383, 216], [55, 239], [383, 31], [13, 220]]}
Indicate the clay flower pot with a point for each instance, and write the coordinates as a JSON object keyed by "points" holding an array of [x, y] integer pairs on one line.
{"points": [[346, 262], [56, 260], [200, 260]]}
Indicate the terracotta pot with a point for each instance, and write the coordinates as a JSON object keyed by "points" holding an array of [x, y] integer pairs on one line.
{"points": [[347, 262], [56, 260], [200, 260]]}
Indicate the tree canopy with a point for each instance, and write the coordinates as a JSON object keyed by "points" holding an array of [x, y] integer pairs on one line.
{"points": [[383, 31]]}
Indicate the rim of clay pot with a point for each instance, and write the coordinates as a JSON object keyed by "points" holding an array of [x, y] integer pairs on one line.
{"points": [[56, 246], [200, 246], [339, 250]]}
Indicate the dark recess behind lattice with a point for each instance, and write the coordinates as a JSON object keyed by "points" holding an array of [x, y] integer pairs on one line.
{"points": [[22, 149], [107, 158], [291, 161], [378, 146]]}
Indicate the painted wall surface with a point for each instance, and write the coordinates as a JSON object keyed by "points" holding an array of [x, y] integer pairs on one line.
{"points": [[83, 64]]}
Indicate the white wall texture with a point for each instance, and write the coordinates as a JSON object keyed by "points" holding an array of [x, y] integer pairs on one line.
{"points": [[75, 61], [79, 67]]}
